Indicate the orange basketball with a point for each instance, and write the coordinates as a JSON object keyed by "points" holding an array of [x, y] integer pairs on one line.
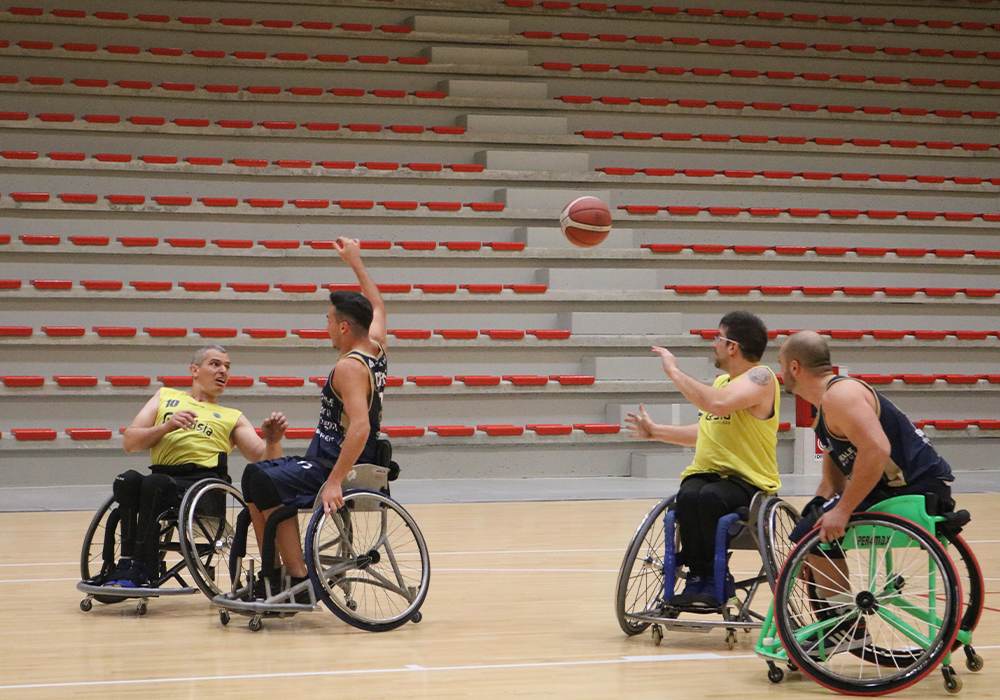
{"points": [[586, 221]]}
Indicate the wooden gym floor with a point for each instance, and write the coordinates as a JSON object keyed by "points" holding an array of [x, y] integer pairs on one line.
{"points": [[520, 605]]}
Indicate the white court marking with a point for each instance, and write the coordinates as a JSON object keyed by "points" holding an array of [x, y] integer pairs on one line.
{"points": [[403, 669]]}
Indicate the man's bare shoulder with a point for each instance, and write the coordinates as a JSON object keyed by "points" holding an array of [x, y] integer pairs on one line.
{"points": [[846, 396], [761, 376]]}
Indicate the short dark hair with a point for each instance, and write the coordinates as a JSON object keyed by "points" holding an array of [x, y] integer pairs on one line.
{"points": [[202, 352], [354, 308], [747, 330], [811, 351]]}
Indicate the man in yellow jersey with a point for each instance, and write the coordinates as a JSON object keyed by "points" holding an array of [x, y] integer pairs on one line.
{"points": [[185, 433], [349, 423], [734, 440]]}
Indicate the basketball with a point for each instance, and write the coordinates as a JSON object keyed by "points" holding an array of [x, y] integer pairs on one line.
{"points": [[586, 221]]}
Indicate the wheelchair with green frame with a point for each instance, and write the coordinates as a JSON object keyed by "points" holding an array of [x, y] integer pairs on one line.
{"points": [[367, 562], [880, 609], [652, 571]]}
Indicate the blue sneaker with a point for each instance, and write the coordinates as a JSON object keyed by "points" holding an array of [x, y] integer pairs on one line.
{"points": [[128, 575], [699, 592]]}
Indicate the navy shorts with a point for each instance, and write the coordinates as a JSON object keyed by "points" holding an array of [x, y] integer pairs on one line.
{"points": [[880, 493], [297, 479]]}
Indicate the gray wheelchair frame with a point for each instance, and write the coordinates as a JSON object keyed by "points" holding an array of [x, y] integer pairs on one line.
{"points": [[641, 600], [335, 567]]}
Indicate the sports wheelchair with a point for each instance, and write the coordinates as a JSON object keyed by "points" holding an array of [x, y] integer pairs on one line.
{"points": [[652, 572], [194, 538], [367, 562], [907, 594]]}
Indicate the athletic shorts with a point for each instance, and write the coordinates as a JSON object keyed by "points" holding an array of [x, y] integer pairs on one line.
{"points": [[297, 479], [878, 494]]}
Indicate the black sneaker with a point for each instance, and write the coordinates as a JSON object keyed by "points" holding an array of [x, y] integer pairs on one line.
{"points": [[260, 589], [131, 575], [847, 635], [303, 597]]}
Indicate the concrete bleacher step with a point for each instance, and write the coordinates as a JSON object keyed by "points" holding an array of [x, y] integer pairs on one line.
{"points": [[564, 278], [552, 237], [513, 124], [624, 322], [476, 55], [535, 160], [661, 464], [459, 24], [495, 89], [549, 199], [643, 368], [663, 413]]}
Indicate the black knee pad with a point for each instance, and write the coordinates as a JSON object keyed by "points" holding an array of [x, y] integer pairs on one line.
{"points": [[248, 473], [128, 489], [259, 489]]}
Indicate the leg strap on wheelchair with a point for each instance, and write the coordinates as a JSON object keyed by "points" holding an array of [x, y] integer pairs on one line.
{"points": [[727, 527], [669, 555], [270, 530], [238, 550], [108, 551]]}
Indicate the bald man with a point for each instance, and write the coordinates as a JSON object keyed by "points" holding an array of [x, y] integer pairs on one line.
{"points": [[871, 450]]}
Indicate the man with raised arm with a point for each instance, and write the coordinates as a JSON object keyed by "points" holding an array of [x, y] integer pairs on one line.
{"points": [[349, 421], [185, 433], [734, 440]]}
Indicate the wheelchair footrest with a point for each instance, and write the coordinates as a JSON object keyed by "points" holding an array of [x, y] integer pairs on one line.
{"points": [[124, 593], [673, 623], [277, 605]]}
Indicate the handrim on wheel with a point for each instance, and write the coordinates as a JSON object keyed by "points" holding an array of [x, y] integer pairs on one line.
{"points": [[897, 610], [368, 561], [774, 524], [207, 522], [640, 579]]}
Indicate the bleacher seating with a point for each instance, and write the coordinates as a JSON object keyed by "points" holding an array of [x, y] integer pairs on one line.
{"points": [[169, 178]]}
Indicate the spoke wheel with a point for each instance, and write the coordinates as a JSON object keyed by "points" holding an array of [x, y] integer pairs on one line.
{"points": [[368, 561], [640, 579], [208, 515], [896, 610]]}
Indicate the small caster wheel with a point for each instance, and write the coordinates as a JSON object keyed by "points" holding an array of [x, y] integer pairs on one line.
{"points": [[141, 608], [86, 605], [417, 617], [973, 661], [952, 683], [730, 639], [224, 617], [774, 674], [791, 666], [351, 605], [657, 635], [255, 624]]}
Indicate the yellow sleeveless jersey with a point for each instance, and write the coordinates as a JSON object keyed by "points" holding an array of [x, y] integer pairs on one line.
{"points": [[738, 444], [200, 445]]}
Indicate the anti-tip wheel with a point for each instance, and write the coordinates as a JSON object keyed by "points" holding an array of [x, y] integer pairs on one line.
{"points": [[86, 605], [141, 608], [224, 617], [774, 674], [417, 617], [730, 639], [255, 624], [657, 635]]}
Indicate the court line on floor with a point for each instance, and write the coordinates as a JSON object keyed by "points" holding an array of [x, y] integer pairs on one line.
{"points": [[411, 668]]}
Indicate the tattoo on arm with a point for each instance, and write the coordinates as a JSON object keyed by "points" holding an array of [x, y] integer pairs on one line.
{"points": [[759, 375]]}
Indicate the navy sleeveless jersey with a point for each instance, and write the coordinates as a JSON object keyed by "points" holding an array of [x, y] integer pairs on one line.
{"points": [[911, 456], [333, 421]]}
